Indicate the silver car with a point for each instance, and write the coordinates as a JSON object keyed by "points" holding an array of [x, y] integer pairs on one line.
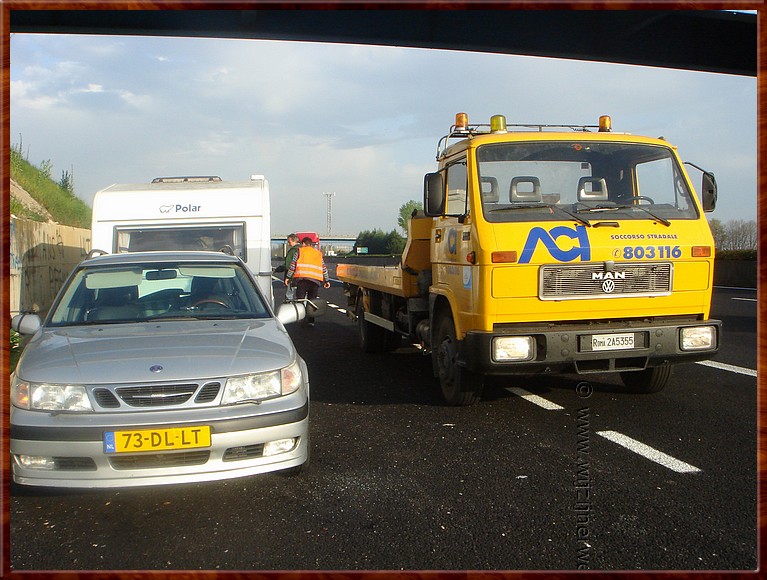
{"points": [[158, 368]]}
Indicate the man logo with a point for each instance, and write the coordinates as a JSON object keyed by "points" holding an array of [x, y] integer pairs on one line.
{"points": [[581, 249], [608, 275]]}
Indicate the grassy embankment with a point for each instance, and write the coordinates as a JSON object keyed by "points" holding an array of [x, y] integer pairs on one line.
{"points": [[60, 202]]}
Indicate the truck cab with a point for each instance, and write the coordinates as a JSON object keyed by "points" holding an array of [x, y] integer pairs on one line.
{"points": [[548, 249], [571, 249]]}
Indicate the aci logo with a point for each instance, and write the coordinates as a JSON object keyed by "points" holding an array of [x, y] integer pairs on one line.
{"points": [[581, 248]]}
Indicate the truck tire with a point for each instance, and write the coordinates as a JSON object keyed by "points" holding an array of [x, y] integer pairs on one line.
{"points": [[372, 337], [460, 387], [650, 380]]}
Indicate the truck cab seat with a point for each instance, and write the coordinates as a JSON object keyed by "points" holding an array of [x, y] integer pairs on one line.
{"points": [[529, 192]]}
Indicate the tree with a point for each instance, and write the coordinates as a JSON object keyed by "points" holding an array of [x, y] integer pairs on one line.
{"points": [[378, 242], [741, 235], [67, 182], [719, 232], [734, 234], [405, 213]]}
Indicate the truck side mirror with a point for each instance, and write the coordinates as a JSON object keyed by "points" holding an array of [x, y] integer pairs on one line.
{"points": [[433, 194], [708, 191]]}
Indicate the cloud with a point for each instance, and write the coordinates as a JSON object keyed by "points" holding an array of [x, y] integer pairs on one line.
{"points": [[362, 121]]}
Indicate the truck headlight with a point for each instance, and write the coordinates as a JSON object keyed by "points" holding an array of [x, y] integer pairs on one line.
{"points": [[50, 397], [698, 338], [260, 386], [513, 348]]}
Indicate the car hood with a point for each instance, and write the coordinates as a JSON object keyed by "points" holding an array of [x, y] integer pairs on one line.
{"points": [[157, 351]]}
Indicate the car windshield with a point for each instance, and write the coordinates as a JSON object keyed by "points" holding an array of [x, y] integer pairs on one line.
{"points": [[582, 180], [106, 294]]}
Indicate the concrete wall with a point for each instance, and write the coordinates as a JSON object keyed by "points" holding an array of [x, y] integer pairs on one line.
{"points": [[42, 256], [735, 273]]}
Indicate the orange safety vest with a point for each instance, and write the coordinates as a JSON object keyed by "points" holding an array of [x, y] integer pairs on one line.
{"points": [[309, 264]]}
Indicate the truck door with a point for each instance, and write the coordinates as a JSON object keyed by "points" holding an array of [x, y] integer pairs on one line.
{"points": [[452, 238]]}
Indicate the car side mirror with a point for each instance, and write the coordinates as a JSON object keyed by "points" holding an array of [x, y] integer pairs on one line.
{"points": [[26, 323], [293, 311]]}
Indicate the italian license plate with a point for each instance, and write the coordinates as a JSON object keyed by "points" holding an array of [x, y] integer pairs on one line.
{"points": [[157, 439], [612, 341]]}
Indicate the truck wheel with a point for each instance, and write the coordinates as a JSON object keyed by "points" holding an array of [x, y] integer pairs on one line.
{"points": [[460, 387], [651, 380], [372, 337]]}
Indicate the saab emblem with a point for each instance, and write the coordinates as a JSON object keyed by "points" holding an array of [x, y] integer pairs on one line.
{"points": [[580, 250]]}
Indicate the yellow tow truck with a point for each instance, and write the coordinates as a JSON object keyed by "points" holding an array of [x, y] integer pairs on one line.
{"points": [[548, 249]]}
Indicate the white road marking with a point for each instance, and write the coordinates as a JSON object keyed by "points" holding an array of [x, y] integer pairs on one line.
{"points": [[726, 367], [648, 452], [535, 399]]}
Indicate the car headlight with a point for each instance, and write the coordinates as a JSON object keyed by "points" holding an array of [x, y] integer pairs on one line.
{"points": [[259, 386], [50, 397]]}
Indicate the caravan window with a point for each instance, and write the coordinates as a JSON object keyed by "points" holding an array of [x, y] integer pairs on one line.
{"points": [[208, 237]]}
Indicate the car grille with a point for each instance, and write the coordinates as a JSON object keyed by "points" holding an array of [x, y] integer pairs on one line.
{"points": [[159, 460], [605, 280], [156, 395], [160, 395]]}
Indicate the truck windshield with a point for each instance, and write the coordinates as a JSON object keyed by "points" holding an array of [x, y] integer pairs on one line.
{"points": [[202, 237], [558, 180]]}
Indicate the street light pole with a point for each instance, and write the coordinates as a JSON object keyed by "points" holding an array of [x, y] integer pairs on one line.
{"points": [[329, 196]]}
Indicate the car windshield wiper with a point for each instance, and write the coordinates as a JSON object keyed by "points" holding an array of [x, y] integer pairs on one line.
{"points": [[664, 221], [175, 317], [541, 205]]}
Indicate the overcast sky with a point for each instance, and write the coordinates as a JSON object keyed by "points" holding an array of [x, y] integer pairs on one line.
{"points": [[359, 121]]}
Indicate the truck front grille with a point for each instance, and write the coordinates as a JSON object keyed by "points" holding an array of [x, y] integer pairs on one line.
{"points": [[605, 280]]}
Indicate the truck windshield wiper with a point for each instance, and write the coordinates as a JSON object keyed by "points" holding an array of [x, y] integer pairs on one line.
{"points": [[577, 218], [579, 208], [540, 205], [664, 221]]}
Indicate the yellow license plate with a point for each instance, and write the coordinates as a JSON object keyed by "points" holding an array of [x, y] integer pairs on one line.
{"points": [[157, 439]]}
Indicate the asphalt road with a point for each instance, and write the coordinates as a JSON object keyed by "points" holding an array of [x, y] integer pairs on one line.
{"points": [[583, 476]]}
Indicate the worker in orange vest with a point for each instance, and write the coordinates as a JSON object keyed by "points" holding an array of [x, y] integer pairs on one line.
{"points": [[309, 272]]}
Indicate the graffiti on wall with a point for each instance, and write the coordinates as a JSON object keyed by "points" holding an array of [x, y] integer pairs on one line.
{"points": [[42, 256]]}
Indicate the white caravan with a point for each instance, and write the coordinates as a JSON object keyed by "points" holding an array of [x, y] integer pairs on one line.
{"points": [[188, 213]]}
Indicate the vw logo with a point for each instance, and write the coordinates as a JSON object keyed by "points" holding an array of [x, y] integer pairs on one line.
{"points": [[608, 286], [155, 368]]}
